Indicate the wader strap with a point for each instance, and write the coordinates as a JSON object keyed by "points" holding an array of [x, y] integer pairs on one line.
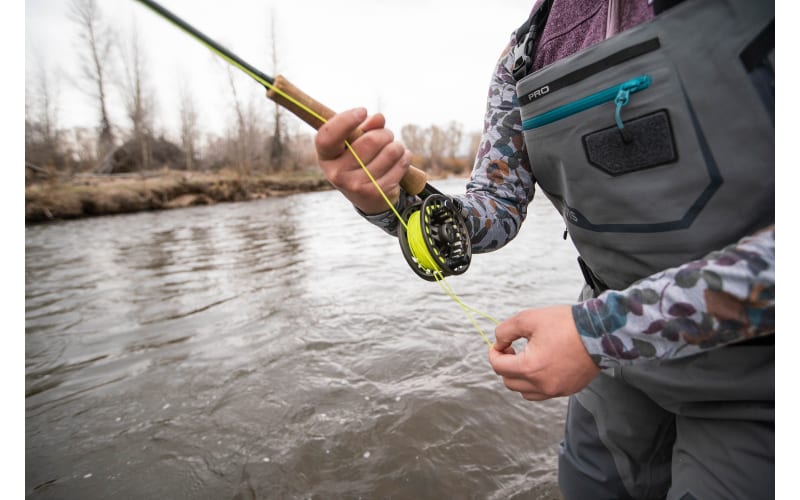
{"points": [[591, 279], [526, 36], [660, 6]]}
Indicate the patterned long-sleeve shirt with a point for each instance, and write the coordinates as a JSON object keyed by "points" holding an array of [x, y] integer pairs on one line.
{"points": [[726, 297]]}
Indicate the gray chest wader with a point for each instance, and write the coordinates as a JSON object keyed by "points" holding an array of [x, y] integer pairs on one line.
{"points": [[657, 147]]}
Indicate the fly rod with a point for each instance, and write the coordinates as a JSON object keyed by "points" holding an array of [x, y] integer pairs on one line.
{"points": [[434, 238]]}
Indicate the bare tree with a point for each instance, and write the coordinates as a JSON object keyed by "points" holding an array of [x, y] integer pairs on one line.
{"points": [[139, 100], [454, 134], [80, 147], [248, 132], [240, 136], [277, 151], [437, 144], [257, 135], [474, 143], [190, 130], [41, 114], [414, 138], [301, 153], [97, 44]]}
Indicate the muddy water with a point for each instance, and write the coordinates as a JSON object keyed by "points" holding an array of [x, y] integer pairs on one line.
{"points": [[277, 349]]}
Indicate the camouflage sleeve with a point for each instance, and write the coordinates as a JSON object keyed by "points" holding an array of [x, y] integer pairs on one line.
{"points": [[501, 184], [726, 297]]}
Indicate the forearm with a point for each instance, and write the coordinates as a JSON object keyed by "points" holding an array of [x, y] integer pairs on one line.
{"points": [[501, 185], [727, 297]]}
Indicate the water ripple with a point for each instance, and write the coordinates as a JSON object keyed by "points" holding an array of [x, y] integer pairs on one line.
{"points": [[275, 349]]}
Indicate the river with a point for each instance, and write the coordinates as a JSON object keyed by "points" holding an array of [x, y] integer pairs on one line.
{"points": [[279, 348]]}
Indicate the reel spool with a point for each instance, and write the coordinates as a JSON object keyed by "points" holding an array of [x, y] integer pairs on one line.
{"points": [[437, 241]]}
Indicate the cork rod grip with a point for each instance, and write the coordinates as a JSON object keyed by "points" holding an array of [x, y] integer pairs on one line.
{"points": [[415, 179]]}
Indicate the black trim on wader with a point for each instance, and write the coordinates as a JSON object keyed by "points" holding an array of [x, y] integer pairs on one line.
{"points": [[758, 60], [660, 6], [753, 55], [576, 218], [596, 284], [581, 74]]}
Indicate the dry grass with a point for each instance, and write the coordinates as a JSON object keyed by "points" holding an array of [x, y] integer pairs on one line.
{"points": [[103, 195]]}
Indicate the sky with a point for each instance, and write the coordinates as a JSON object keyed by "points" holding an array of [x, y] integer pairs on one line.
{"points": [[417, 61]]}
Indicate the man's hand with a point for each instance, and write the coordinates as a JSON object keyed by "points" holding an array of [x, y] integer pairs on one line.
{"points": [[554, 362], [386, 159]]}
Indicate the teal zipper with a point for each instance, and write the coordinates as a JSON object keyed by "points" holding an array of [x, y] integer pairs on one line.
{"points": [[620, 94]]}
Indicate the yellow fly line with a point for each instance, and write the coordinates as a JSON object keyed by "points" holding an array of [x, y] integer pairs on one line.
{"points": [[413, 227]]}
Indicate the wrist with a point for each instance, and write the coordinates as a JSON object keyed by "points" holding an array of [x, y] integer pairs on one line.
{"points": [[592, 332]]}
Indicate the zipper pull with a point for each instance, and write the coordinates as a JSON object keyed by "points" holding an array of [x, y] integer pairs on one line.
{"points": [[622, 99]]}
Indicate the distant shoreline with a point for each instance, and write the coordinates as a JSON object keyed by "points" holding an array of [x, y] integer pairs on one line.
{"points": [[95, 195]]}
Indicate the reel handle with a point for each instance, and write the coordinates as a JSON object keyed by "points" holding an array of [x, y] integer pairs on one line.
{"points": [[413, 182]]}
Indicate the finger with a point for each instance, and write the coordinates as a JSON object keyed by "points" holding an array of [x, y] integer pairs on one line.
{"points": [[373, 122], [330, 139], [506, 364], [535, 396], [520, 385], [366, 148], [526, 389], [387, 159], [507, 350], [501, 345], [508, 331], [388, 176], [377, 150], [398, 171]]}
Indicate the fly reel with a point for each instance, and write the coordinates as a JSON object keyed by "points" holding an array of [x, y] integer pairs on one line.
{"points": [[435, 242]]}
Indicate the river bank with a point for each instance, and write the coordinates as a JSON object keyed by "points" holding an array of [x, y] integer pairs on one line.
{"points": [[93, 195]]}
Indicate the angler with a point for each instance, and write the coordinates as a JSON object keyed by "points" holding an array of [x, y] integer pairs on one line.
{"points": [[655, 142]]}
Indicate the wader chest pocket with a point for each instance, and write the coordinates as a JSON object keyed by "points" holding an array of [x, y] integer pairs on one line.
{"points": [[657, 145], [631, 145], [613, 141]]}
